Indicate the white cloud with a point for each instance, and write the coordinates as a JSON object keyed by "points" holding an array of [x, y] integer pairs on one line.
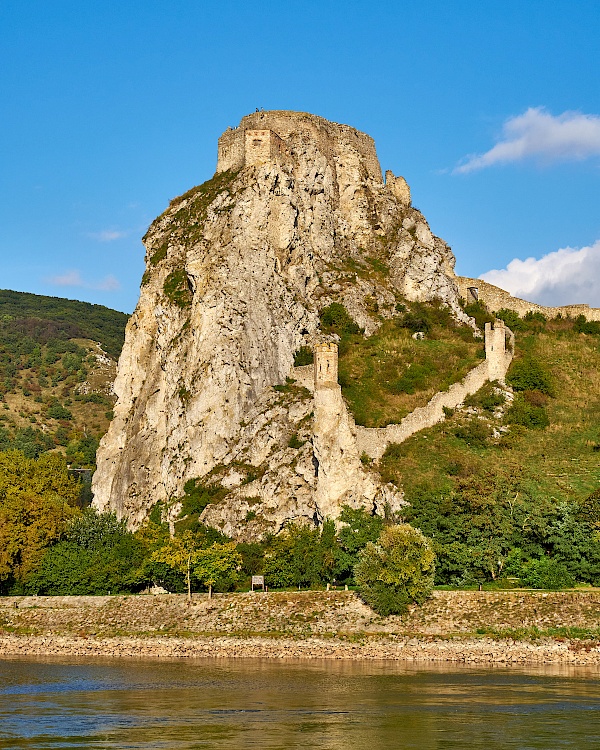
{"points": [[563, 277], [108, 284], [107, 235], [73, 278], [537, 134], [69, 278]]}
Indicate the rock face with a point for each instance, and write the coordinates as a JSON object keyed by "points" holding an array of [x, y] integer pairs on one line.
{"points": [[297, 216]]}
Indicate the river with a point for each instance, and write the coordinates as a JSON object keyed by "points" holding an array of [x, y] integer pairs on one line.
{"points": [[100, 703]]}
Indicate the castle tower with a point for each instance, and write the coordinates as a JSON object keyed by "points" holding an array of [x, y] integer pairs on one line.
{"points": [[326, 364], [495, 348], [239, 148]]}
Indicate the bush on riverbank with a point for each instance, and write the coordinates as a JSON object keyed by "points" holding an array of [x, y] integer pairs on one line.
{"points": [[397, 571]]}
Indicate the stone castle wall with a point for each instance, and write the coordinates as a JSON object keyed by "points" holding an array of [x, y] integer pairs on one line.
{"points": [[327, 135], [373, 441], [496, 299], [318, 378]]}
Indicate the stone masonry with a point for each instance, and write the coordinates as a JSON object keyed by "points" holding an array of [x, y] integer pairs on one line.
{"points": [[495, 298]]}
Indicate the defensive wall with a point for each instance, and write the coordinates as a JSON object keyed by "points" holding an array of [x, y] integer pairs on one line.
{"points": [[281, 124], [373, 441], [495, 298], [499, 348]]}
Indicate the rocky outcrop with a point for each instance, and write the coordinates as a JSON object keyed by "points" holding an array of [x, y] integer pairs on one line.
{"points": [[296, 217]]}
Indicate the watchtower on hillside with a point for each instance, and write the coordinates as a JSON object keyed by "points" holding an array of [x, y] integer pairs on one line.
{"points": [[326, 364], [496, 334]]}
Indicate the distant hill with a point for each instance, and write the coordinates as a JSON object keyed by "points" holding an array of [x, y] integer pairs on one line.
{"points": [[43, 317], [57, 364]]}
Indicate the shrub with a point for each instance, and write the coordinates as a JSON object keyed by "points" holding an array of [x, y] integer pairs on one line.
{"points": [[528, 374], [475, 432], [304, 356], [159, 254], [176, 288], [294, 442], [480, 312], [511, 318], [335, 318], [589, 509], [58, 411], [397, 571], [198, 495], [584, 326], [535, 398], [546, 573], [534, 317], [526, 414], [489, 397], [416, 321]]}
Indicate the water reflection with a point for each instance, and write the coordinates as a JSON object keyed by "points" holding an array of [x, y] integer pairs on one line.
{"points": [[55, 703]]}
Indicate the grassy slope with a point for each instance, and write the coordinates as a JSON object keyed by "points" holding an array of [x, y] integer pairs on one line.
{"points": [[556, 464], [388, 375]]}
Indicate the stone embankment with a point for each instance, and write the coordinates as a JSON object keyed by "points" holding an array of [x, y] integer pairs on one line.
{"points": [[455, 627]]}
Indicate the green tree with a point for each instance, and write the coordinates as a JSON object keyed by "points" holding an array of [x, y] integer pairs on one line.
{"points": [[179, 552], [96, 555], [397, 571], [357, 528], [301, 556], [36, 501], [217, 563]]}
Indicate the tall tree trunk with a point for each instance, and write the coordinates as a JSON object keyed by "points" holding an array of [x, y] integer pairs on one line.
{"points": [[210, 590], [189, 578]]}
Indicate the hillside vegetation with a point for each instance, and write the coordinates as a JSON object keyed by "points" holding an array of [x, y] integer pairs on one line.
{"points": [[507, 487], [57, 364], [389, 374]]}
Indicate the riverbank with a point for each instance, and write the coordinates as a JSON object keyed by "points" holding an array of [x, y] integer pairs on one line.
{"points": [[504, 627], [435, 650]]}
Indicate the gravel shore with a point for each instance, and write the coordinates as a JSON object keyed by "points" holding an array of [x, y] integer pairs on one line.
{"points": [[456, 650], [502, 627]]}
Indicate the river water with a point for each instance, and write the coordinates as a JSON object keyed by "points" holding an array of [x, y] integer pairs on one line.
{"points": [[99, 703]]}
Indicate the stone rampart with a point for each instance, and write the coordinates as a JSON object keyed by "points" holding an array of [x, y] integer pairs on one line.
{"points": [[327, 135], [373, 441], [304, 376], [496, 299]]}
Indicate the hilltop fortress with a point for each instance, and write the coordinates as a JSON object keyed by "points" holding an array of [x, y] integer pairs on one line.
{"points": [[237, 271]]}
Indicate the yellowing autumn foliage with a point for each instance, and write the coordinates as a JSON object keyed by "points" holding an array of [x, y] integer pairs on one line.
{"points": [[36, 500]]}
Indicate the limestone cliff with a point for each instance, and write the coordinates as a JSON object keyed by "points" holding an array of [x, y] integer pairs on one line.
{"points": [[237, 269]]}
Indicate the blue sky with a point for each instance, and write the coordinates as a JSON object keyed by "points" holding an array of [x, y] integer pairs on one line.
{"points": [[491, 110]]}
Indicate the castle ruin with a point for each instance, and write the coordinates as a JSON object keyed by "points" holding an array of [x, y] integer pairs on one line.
{"points": [[495, 298], [263, 136]]}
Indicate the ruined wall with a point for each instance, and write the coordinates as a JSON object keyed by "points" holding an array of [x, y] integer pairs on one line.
{"points": [[230, 150], [326, 135], [373, 441], [496, 298]]}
